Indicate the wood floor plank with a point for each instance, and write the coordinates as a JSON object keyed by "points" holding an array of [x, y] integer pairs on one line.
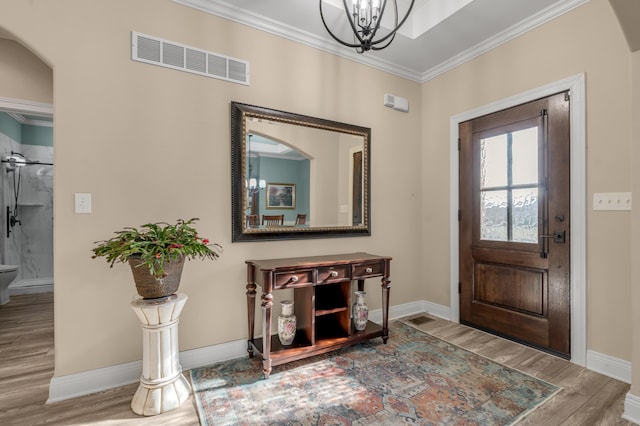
{"points": [[591, 413], [27, 362]]}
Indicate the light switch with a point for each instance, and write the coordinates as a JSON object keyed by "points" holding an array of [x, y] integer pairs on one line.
{"points": [[612, 201], [83, 203]]}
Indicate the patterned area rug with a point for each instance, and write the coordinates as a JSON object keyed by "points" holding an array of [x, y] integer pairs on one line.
{"points": [[414, 379]]}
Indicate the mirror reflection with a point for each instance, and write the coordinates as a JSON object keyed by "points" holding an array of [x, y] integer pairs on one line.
{"points": [[297, 176]]}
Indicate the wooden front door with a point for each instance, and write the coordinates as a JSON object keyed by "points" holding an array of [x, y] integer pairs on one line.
{"points": [[514, 223]]}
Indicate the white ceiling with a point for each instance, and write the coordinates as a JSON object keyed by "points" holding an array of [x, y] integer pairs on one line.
{"points": [[438, 36]]}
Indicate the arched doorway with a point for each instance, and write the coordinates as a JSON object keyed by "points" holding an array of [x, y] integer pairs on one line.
{"points": [[26, 158]]}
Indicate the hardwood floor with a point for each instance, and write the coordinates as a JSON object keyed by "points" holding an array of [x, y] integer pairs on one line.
{"points": [[26, 366]]}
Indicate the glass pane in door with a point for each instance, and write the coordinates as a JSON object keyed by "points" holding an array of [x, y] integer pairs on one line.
{"points": [[525, 216], [525, 156], [509, 186], [493, 162], [494, 216]]}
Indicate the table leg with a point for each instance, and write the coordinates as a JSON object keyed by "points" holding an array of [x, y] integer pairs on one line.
{"points": [[267, 304], [251, 313], [386, 286]]}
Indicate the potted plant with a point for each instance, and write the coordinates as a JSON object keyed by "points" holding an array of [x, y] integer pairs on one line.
{"points": [[156, 253]]}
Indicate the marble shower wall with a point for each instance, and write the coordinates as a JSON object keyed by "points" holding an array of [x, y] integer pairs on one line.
{"points": [[30, 243]]}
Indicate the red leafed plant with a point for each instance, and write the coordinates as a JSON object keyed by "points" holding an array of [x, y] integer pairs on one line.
{"points": [[157, 243]]}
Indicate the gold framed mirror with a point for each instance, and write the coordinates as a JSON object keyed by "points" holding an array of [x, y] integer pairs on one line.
{"points": [[295, 176]]}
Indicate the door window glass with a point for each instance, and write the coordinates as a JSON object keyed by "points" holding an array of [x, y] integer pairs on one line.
{"points": [[509, 186]]}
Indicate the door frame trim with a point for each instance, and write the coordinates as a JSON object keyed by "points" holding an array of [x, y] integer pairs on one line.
{"points": [[576, 86]]}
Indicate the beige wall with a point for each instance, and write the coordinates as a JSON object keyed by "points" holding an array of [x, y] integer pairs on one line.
{"points": [[152, 144], [122, 125], [24, 76]]}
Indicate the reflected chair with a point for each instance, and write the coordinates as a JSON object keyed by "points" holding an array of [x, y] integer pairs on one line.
{"points": [[273, 220], [252, 220], [301, 219]]}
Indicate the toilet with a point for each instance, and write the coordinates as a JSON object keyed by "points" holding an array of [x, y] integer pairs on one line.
{"points": [[8, 273]]}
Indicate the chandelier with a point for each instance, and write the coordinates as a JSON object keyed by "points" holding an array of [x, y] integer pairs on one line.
{"points": [[255, 185], [365, 18]]}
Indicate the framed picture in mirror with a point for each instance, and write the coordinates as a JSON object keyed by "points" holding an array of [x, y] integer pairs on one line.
{"points": [[281, 196]]}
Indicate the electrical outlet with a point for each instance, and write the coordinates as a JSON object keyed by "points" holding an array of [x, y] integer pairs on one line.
{"points": [[83, 203], [612, 201]]}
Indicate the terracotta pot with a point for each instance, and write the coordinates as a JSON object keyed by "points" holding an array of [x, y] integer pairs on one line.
{"points": [[152, 287]]}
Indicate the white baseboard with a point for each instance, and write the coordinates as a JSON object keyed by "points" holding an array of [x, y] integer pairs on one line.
{"points": [[207, 355], [615, 368], [74, 385], [86, 382], [632, 408], [397, 311], [411, 308], [436, 310]]}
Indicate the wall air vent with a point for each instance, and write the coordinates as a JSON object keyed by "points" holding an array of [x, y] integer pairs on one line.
{"points": [[169, 54]]}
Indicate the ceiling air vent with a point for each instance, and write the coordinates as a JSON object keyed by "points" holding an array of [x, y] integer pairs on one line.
{"points": [[169, 54]]}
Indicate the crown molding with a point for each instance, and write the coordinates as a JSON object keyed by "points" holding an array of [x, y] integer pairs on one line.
{"points": [[505, 36], [24, 120], [241, 16], [18, 108], [244, 17], [22, 106]]}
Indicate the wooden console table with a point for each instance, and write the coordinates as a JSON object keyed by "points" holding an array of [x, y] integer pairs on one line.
{"points": [[322, 303]]}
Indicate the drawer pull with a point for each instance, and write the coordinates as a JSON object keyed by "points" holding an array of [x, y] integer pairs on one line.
{"points": [[333, 274], [294, 279], [369, 270]]}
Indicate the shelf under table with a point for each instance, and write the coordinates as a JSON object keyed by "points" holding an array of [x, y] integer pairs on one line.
{"points": [[300, 348]]}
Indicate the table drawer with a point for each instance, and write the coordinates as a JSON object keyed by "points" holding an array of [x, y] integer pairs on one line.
{"points": [[369, 269], [292, 279], [337, 273]]}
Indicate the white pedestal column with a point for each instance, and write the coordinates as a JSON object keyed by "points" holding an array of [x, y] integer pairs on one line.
{"points": [[162, 385]]}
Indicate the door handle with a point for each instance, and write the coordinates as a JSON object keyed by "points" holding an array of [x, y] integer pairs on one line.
{"points": [[558, 237]]}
